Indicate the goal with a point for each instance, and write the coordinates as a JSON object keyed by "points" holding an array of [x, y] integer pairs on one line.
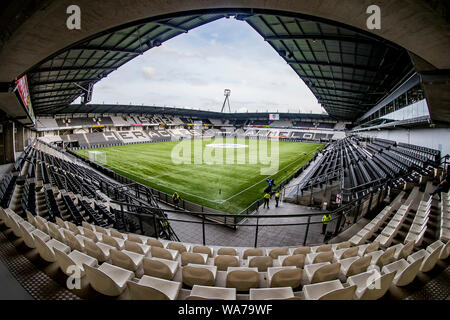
{"points": [[97, 157]]}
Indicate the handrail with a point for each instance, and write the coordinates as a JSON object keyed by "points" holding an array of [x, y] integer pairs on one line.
{"points": [[321, 213], [216, 223]]}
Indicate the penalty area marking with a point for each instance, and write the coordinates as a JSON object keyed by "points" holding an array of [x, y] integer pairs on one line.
{"points": [[217, 201]]}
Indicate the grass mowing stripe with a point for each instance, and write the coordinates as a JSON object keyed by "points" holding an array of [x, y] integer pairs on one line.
{"points": [[225, 187]]}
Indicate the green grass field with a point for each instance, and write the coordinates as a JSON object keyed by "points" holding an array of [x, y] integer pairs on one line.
{"points": [[204, 176]]}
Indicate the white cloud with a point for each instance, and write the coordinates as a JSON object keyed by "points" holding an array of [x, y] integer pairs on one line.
{"points": [[149, 72], [192, 70]]}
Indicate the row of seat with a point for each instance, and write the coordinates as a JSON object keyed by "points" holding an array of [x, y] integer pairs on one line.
{"points": [[369, 229], [29, 197], [444, 226], [198, 274], [6, 189], [389, 232]]}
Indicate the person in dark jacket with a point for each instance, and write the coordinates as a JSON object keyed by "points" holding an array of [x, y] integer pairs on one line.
{"points": [[443, 186]]}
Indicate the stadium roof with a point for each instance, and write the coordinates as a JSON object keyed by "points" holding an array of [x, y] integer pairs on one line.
{"points": [[348, 70], [195, 113]]}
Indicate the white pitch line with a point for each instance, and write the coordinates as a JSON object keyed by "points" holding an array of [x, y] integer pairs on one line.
{"points": [[222, 201], [215, 201]]}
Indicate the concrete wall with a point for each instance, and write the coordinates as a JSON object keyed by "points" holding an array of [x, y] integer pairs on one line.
{"points": [[437, 138]]}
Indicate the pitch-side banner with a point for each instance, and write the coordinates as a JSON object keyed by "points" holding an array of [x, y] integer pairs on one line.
{"points": [[22, 90]]}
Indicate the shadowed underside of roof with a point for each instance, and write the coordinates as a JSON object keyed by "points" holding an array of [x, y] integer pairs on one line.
{"points": [[348, 71]]}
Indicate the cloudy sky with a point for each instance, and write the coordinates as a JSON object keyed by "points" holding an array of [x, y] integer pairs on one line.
{"points": [[192, 70]]}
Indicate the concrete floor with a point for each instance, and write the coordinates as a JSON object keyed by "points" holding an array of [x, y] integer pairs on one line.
{"points": [[244, 236], [10, 289]]}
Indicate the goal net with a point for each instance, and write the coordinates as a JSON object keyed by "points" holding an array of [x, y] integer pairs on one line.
{"points": [[97, 157]]}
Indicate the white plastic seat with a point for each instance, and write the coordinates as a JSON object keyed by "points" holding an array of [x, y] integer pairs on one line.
{"points": [[86, 225], [163, 253], [136, 238], [194, 258], [274, 253], [101, 230], [93, 235], [429, 259], [402, 251], [25, 225], [297, 260], [341, 245], [371, 285], [340, 254], [14, 225], [226, 252], [116, 234], [224, 262], [40, 234], [354, 265], [72, 227], [204, 275], [72, 241], [60, 223], [211, 293], [285, 293], [75, 259], [117, 243], [318, 257], [151, 288], [242, 278], [27, 237], [405, 273], [137, 247], [385, 241], [126, 259], [202, 249], [178, 247], [381, 258], [260, 262], [324, 271], [300, 250], [98, 250], [367, 248], [45, 249], [154, 243], [328, 290], [284, 277], [42, 224], [322, 248], [434, 245], [108, 279], [160, 268], [31, 219], [445, 251], [55, 232]]}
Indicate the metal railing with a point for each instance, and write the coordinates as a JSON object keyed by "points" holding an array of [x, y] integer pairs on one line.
{"points": [[354, 209]]}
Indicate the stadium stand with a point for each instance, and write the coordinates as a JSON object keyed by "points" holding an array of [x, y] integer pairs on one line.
{"points": [[68, 216], [133, 136]]}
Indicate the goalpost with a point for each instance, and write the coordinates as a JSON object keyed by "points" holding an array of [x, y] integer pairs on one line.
{"points": [[97, 157]]}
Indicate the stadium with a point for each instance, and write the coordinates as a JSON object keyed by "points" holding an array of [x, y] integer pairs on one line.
{"points": [[116, 201]]}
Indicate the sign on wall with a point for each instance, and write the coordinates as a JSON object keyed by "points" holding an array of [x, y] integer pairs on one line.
{"points": [[22, 91], [274, 116]]}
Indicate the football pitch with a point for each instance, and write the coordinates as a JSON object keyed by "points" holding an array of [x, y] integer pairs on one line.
{"points": [[223, 174]]}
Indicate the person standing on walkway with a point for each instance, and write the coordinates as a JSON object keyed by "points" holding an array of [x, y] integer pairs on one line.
{"points": [[443, 186], [325, 220], [266, 200], [176, 199], [277, 198]]}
